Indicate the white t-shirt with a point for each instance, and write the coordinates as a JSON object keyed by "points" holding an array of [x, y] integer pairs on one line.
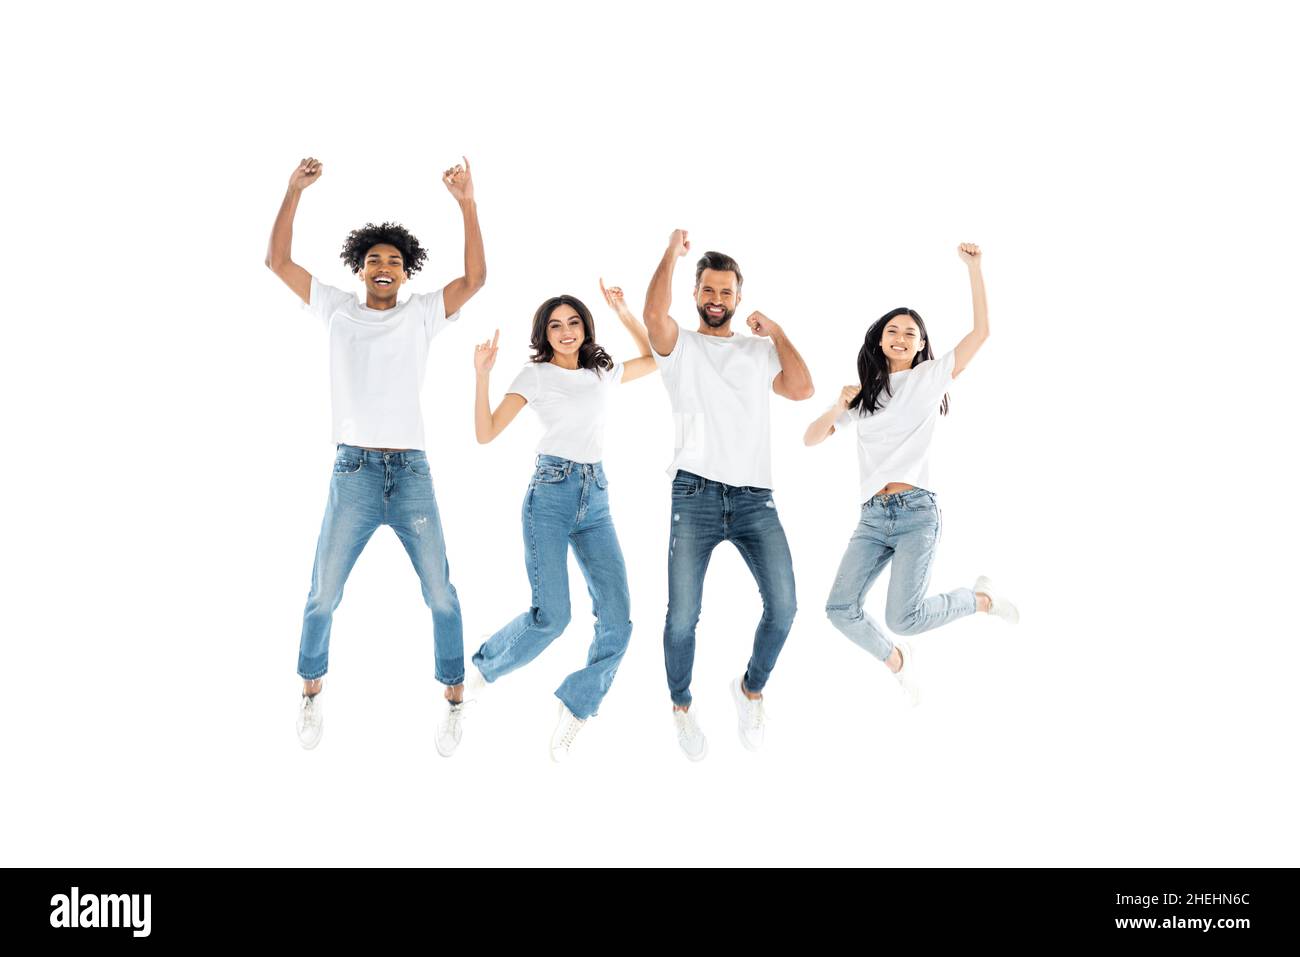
{"points": [[571, 404], [377, 360], [894, 442], [720, 390]]}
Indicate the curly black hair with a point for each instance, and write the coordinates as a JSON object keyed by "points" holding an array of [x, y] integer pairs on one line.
{"points": [[361, 241]]}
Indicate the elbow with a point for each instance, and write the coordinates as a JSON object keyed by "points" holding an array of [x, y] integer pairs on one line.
{"points": [[476, 280], [805, 393]]}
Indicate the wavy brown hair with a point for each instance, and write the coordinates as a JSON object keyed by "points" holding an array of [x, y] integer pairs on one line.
{"points": [[590, 355]]}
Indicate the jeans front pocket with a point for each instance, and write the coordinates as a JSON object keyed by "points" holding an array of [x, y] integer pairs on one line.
{"points": [[348, 463], [548, 475], [685, 487]]}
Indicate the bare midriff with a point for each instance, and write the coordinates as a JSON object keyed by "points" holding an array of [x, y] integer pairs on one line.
{"points": [[894, 487]]}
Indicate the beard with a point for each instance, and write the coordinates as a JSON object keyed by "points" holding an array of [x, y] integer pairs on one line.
{"points": [[715, 323]]}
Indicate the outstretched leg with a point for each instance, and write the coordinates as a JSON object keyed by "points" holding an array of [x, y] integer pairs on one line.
{"points": [[867, 554], [413, 513], [353, 512], [547, 517], [907, 609], [696, 530], [760, 538], [601, 561]]}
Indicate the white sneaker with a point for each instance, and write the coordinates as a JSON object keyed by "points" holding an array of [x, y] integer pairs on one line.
{"points": [[907, 676], [998, 604], [311, 721], [475, 683], [449, 728], [751, 717], [689, 735], [565, 732]]}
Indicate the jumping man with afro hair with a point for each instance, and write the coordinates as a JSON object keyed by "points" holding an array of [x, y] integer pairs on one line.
{"points": [[378, 352]]}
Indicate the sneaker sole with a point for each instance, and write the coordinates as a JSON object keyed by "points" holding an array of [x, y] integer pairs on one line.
{"points": [[704, 751]]}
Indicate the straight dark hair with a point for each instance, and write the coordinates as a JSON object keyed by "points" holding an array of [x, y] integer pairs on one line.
{"points": [[873, 365], [590, 355]]}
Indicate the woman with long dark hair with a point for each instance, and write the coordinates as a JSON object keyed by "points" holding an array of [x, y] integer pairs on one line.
{"points": [[567, 382], [901, 392]]}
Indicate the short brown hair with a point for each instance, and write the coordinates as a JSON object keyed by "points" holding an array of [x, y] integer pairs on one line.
{"points": [[722, 263]]}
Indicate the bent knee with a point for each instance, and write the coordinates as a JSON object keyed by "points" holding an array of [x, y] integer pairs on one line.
{"points": [[780, 610], [551, 619], [904, 623], [843, 612]]}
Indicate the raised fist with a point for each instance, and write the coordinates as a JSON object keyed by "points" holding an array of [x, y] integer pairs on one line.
{"points": [[308, 172]]}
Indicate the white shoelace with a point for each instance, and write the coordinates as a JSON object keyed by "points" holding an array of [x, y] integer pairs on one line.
{"points": [[572, 725], [455, 715], [686, 726], [310, 717]]}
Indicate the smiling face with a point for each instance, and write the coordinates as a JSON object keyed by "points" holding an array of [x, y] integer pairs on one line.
{"points": [[383, 273], [564, 331], [716, 296], [900, 342]]}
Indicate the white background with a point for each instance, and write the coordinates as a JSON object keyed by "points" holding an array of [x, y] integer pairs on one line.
{"points": [[1117, 456]]}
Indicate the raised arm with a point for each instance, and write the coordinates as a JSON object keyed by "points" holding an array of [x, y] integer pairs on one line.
{"points": [[488, 424], [966, 349], [458, 292], [659, 297], [643, 364], [278, 256], [794, 381], [823, 427]]}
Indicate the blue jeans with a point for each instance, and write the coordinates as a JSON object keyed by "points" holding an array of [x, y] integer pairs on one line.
{"points": [[705, 513], [904, 527], [567, 505], [370, 489]]}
